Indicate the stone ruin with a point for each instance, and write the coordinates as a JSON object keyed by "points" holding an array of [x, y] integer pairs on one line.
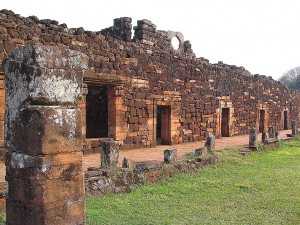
{"points": [[43, 133], [98, 91], [142, 92]]}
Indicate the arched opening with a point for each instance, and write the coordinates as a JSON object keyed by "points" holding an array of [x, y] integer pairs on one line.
{"points": [[175, 43]]}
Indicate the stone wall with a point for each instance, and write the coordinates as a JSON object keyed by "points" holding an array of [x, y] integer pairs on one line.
{"points": [[145, 72], [123, 180]]}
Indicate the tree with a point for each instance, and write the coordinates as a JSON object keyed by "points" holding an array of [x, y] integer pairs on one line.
{"points": [[291, 78]]}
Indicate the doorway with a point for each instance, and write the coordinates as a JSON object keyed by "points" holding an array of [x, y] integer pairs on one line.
{"points": [[225, 122], [163, 125], [285, 120], [97, 112], [262, 114]]}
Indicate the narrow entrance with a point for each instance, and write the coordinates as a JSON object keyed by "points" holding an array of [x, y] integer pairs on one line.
{"points": [[285, 120], [163, 125], [97, 112], [262, 120], [225, 122]]}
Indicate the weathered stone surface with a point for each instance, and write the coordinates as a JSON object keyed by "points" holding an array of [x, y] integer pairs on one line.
{"points": [[107, 181], [271, 132], [264, 137], [46, 130], [47, 193], [149, 73], [125, 163], [33, 81], [200, 151], [40, 56], [109, 153], [148, 165], [294, 128], [253, 137], [210, 142], [170, 155], [34, 71], [64, 212], [44, 137], [277, 136]]}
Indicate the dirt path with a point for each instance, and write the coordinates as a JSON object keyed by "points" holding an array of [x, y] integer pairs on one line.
{"points": [[157, 153]]}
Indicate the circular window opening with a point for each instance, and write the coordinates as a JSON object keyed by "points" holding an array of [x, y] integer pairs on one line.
{"points": [[175, 43]]}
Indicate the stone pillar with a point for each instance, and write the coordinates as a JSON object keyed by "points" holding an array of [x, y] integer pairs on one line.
{"points": [[109, 153], [264, 137], [294, 128], [210, 143], [200, 152], [271, 132], [43, 135], [253, 137], [125, 163], [277, 136], [170, 155]]}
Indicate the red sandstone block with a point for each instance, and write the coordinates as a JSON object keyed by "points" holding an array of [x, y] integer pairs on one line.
{"points": [[1, 46], [136, 127], [8, 45], [46, 57], [131, 128], [2, 100], [1, 57], [40, 169], [62, 212], [143, 121], [132, 111], [133, 120], [46, 130], [64, 188], [154, 175], [57, 85]]}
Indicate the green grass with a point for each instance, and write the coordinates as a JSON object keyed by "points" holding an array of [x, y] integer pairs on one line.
{"points": [[263, 188], [2, 219]]}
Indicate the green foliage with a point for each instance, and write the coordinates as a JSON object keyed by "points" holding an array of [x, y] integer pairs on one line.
{"points": [[2, 219], [291, 78], [295, 84], [262, 188]]}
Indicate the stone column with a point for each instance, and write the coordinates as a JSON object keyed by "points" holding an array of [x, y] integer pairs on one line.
{"points": [[277, 136], [253, 137], [264, 137], [43, 135], [210, 143], [294, 128], [200, 152], [170, 155], [271, 132], [109, 153]]}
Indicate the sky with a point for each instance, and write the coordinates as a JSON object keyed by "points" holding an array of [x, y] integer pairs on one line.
{"points": [[261, 35]]}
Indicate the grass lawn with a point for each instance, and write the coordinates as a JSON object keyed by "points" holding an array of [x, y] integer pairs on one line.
{"points": [[2, 219], [263, 188]]}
